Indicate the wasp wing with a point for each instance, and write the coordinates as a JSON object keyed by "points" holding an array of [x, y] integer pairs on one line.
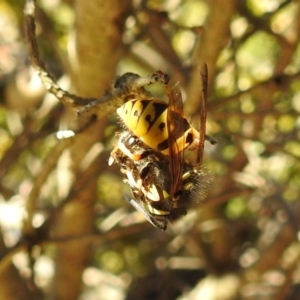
{"points": [[203, 112], [176, 139]]}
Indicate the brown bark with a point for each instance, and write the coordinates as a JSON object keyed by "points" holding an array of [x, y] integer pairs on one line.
{"points": [[96, 49]]}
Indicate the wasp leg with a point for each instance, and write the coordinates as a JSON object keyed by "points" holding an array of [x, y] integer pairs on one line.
{"points": [[126, 151]]}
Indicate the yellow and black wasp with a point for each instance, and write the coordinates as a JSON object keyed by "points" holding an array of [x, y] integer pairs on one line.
{"points": [[150, 153], [150, 181]]}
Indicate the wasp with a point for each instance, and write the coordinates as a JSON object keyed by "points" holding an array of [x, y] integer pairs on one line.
{"points": [[150, 153], [150, 181]]}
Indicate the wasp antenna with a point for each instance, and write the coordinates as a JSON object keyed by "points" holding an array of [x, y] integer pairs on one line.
{"points": [[203, 111]]}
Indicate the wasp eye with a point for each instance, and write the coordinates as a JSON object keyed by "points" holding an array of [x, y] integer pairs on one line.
{"points": [[145, 171]]}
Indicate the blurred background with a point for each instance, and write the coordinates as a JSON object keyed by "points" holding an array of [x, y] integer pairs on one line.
{"points": [[66, 230]]}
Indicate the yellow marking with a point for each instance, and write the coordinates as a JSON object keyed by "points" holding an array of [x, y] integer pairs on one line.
{"points": [[165, 194], [155, 211], [188, 186], [186, 175]]}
